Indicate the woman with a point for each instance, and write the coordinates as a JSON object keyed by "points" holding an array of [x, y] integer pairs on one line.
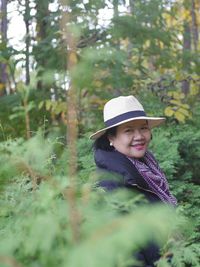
{"points": [[121, 148]]}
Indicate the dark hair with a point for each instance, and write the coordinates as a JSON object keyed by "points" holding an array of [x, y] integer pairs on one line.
{"points": [[103, 142]]}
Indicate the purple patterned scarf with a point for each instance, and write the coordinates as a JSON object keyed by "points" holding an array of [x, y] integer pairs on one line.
{"points": [[154, 177]]}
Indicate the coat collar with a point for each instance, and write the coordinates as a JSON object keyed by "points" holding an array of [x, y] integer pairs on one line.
{"points": [[115, 161]]}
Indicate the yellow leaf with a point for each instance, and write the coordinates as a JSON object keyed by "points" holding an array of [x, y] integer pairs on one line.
{"points": [[179, 116], [194, 89], [175, 102], [176, 95], [169, 111], [178, 103], [186, 15], [186, 106], [185, 112]]}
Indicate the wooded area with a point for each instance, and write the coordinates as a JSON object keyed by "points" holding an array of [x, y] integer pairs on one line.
{"points": [[74, 56]]}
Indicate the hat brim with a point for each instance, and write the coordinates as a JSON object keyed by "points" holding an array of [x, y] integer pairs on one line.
{"points": [[152, 121]]}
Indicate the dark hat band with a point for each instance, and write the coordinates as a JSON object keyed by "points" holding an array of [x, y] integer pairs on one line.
{"points": [[125, 116]]}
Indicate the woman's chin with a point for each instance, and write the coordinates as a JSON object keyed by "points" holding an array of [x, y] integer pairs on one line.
{"points": [[137, 154]]}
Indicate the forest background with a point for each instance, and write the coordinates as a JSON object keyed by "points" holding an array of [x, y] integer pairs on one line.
{"points": [[74, 56]]}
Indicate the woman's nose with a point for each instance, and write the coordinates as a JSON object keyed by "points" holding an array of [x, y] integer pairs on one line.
{"points": [[137, 134]]}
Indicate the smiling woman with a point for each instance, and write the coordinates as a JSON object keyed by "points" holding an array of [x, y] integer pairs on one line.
{"points": [[121, 148]]}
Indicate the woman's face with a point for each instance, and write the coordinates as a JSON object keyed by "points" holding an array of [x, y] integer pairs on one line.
{"points": [[132, 138]]}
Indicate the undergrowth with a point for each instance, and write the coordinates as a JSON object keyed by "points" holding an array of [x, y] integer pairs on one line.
{"points": [[35, 217]]}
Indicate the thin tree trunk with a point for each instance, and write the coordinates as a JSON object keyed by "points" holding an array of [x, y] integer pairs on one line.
{"points": [[186, 51], [25, 102], [195, 33], [116, 43], [116, 8], [42, 27], [72, 122], [4, 26], [27, 118], [27, 21], [116, 15]]}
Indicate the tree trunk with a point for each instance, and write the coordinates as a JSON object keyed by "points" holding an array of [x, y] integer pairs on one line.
{"points": [[115, 16], [195, 33], [27, 22], [72, 121], [116, 8], [27, 119], [186, 56], [27, 41], [4, 26], [42, 26]]}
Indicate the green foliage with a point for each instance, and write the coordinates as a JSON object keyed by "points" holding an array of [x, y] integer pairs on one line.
{"points": [[189, 150], [8, 169], [104, 65], [176, 148], [35, 224], [138, 52], [118, 236], [35, 221], [85, 158], [168, 156], [7, 103]]}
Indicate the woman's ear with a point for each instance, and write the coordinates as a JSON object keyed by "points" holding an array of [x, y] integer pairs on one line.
{"points": [[111, 139]]}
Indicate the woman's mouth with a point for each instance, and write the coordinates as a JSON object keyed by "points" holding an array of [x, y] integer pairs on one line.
{"points": [[139, 146]]}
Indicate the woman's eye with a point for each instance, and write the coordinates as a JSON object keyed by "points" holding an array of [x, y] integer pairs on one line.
{"points": [[145, 128]]}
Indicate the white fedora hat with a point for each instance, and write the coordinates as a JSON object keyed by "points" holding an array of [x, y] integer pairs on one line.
{"points": [[123, 109]]}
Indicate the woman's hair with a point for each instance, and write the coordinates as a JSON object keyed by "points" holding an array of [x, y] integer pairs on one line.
{"points": [[103, 142]]}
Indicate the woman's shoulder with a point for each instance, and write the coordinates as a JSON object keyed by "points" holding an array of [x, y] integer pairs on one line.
{"points": [[111, 181], [117, 163], [113, 161]]}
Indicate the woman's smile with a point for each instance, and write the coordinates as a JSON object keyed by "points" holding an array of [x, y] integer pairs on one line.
{"points": [[139, 146]]}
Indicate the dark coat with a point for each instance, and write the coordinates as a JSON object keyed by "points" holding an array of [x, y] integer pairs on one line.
{"points": [[126, 176]]}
